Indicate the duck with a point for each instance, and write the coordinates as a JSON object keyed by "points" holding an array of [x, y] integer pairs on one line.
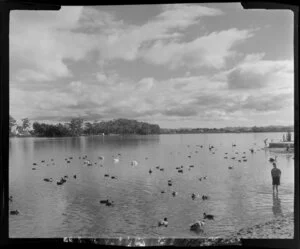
{"points": [[157, 167], [10, 198], [245, 160], [170, 183], [48, 179], [14, 212], [163, 222], [193, 196], [204, 177], [191, 166], [113, 177], [101, 157], [33, 168], [150, 171], [43, 161], [162, 191], [197, 226], [189, 156], [174, 193], [109, 203], [161, 169], [230, 167], [251, 150], [74, 176], [34, 164], [272, 159], [106, 175], [208, 216], [116, 160], [200, 179], [180, 171], [134, 163], [204, 197], [103, 201]]}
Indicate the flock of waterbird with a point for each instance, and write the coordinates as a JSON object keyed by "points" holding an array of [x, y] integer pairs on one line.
{"points": [[196, 227]]}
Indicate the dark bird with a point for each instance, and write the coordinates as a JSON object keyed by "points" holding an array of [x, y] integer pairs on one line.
{"points": [[74, 176], [33, 168], [272, 159], [169, 183], [230, 167], [163, 222], [104, 201], [106, 175], [180, 171], [162, 191], [150, 171], [34, 164], [43, 161], [204, 197], [14, 212], [189, 156], [174, 193], [226, 157], [48, 179], [109, 203], [193, 196], [10, 198], [113, 177], [208, 216]]}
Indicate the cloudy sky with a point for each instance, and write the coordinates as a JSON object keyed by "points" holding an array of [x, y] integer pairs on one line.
{"points": [[197, 65]]}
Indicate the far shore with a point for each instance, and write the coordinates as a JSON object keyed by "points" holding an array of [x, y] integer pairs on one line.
{"points": [[179, 133]]}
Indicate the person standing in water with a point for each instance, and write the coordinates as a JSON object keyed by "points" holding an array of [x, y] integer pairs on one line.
{"points": [[276, 173]]}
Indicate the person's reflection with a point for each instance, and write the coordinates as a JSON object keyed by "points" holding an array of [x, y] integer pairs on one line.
{"points": [[276, 205]]}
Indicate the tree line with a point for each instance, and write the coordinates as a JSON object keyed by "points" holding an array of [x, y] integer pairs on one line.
{"points": [[79, 127]]}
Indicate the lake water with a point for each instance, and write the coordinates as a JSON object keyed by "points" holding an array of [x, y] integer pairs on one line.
{"points": [[238, 198]]}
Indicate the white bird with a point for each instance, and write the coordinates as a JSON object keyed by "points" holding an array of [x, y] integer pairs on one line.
{"points": [[134, 163], [197, 225], [116, 160]]}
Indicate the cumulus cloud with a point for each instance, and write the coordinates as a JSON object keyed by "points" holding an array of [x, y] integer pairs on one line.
{"points": [[205, 51], [256, 73], [41, 40]]}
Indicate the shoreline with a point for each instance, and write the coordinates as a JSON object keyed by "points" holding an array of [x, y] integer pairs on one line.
{"points": [[278, 228]]}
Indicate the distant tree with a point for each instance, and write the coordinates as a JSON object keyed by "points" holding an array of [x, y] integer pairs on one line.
{"points": [[76, 126], [25, 124], [88, 128], [12, 123]]}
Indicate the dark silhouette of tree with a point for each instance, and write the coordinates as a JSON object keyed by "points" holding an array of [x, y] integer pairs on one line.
{"points": [[12, 123]]}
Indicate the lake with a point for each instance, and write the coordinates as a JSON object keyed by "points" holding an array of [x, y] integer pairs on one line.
{"points": [[238, 197]]}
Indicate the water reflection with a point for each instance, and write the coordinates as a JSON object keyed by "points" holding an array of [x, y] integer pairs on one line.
{"points": [[276, 205]]}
